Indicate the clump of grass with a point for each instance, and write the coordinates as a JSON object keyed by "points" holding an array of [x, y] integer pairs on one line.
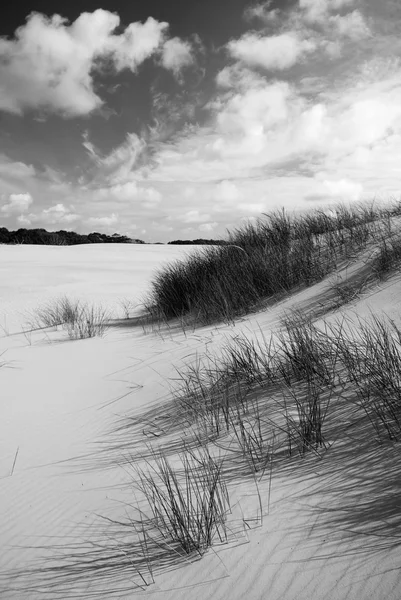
{"points": [[80, 319], [92, 321], [56, 312], [127, 306], [389, 256], [259, 261], [289, 385], [372, 358], [257, 388], [188, 507]]}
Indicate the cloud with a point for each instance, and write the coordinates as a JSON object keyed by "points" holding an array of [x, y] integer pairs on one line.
{"points": [[57, 214], [262, 12], [117, 166], [129, 192], [317, 10], [238, 76], [49, 64], [17, 203], [276, 52], [137, 43], [16, 170], [194, 216], [344, 189], [176, 55], [252, 208], [206, 227], [103, 221], [337, 190], [352, 25]]}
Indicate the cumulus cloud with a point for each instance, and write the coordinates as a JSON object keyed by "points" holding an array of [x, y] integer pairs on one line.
{"points": [[17, 203], [130, 191], [15, 169], [207, 227], [57, 214], [317, 10], [352, 25], [49, 63], [194, 216], [237, 76], [103, 221], [277, 52], [176, 55], [262, 12]]}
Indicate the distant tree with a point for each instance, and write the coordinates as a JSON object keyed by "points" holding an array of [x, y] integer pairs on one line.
{"points": [[199, 242], [61, 237]]}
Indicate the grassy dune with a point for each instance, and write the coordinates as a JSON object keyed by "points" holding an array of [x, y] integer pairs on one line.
{"points": [[276, 255]]}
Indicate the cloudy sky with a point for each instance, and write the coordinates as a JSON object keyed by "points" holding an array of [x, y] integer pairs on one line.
{"points": [[166, 120]]}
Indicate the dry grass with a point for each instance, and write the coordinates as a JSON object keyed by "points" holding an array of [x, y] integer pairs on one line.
{"points": [[273, 256], [80, 319]]}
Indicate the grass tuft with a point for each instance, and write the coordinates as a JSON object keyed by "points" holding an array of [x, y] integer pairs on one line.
{"points": [[188, 507], [80, 319]]}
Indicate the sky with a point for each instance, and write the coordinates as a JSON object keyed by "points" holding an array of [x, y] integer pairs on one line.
{"points": [[180, 120]]}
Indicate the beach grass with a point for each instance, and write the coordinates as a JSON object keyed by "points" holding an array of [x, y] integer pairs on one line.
{"points": [[80, 319], [273, 256]]}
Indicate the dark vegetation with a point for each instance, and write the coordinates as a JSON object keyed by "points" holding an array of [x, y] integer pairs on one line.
{"points": [[61, 238], [272, 257], [71, 238], [200, 242]]}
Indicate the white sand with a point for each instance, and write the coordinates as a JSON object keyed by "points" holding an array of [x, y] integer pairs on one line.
{"points": [[333, 529]]}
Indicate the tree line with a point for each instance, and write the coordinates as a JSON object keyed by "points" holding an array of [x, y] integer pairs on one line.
{"points": [[61, 238]]}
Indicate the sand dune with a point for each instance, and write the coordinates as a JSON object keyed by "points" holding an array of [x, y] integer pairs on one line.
{"points": [[330, 528]]}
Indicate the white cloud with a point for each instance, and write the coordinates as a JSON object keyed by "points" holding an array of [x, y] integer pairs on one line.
{"points": [[238, 76], [194, 216], [343, 189], [17, 203], [16, 170], [352, 25], [226, 195], [57, 214], [252, 208], [129, 192], [263, 12], [49, 64], [317, 10], [103, 221], [137, 43], [206, 227], [176, 55], [118, 165], [276, 52], [24, 221], [161, 227]]}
